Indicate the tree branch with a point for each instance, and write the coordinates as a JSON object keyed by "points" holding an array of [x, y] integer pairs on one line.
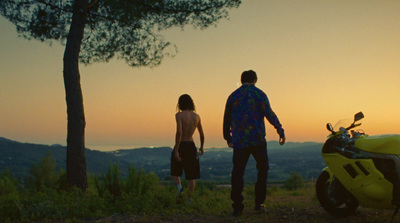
{"points": [[92, 4], [54, 6]]}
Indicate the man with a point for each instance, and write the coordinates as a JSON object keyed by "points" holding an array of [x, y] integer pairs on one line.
{"points": [[244, 131]]}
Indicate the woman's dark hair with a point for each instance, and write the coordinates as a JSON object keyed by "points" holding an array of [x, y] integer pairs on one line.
{"points": [[185, 102], [249, 77]]}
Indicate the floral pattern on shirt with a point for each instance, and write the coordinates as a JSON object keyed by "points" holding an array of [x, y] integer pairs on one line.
{"points": [[244, 116]]}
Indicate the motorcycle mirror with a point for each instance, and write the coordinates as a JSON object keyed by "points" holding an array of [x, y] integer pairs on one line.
{"points": [[329, 127], [358, 116]]}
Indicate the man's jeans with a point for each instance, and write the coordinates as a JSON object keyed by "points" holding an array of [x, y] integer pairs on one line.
{"points": [[240, 158]]}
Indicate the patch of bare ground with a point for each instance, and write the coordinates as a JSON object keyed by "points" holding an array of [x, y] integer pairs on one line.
{"points": [[281, 207], [276, 215]]}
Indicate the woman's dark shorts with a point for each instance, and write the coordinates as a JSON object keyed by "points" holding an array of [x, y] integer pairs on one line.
{"points": [[189, 161]]}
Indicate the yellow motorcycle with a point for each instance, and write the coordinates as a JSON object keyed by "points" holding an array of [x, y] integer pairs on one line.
{"points": [[361, 170]]}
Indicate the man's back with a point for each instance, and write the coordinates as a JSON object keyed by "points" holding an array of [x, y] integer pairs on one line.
{"points": [[245, 108]]}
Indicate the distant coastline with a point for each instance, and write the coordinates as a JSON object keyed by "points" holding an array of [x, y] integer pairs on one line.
{"points": [[109, 148]]}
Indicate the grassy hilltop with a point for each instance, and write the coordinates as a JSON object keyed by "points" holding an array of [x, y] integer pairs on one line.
{"points": [[129, 186]]}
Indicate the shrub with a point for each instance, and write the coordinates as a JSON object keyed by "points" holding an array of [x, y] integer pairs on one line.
{"points": [[43, 174], [8, 184], [9, 207], [139, 183], [139, 192], [109, 182], [62, 181], [294, 182], [50, 205]]}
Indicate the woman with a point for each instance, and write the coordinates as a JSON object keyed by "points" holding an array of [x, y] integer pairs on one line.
{"points": [[185, 156]]}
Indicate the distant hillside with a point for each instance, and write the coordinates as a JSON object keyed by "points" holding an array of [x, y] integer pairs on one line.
{"points": [[19, 157], [216, 163]]}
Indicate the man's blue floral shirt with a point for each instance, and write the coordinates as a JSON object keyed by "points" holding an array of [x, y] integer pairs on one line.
{"points": [[244, 116]]}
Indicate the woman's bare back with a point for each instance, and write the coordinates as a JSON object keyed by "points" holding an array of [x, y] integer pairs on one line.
{"points": [[189, 121]]}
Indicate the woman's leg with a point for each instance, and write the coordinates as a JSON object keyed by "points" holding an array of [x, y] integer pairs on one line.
{"points": [[191, 186], [177, 180]]}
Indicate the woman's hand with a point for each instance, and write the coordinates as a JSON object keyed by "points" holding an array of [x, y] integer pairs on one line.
{"points": [[201, 151], [177, 157]]}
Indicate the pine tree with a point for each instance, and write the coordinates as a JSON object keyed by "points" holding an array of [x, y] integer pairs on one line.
{"points": [[99, 30]]}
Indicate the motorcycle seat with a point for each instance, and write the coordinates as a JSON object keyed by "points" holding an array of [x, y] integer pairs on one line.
{"points": [[386, 144]]}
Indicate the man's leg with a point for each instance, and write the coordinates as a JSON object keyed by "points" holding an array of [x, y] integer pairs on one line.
{"points": [[240, 158], [261, 157]]}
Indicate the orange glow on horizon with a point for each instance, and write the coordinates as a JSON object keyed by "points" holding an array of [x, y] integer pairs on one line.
{"points": [[317, 61]]}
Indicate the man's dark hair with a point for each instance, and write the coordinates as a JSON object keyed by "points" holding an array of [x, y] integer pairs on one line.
{"points": [[248, 77], [185, 102]]}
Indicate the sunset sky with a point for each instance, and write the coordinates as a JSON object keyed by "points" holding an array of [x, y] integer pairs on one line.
{"points": [[318, 61]]}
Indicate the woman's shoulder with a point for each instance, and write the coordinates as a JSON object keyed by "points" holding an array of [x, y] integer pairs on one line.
{"points": [[194, 113], [178, 114], [187, 113]]}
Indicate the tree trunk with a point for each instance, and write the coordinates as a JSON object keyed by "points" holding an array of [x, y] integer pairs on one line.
{"points": [[76, 160]]}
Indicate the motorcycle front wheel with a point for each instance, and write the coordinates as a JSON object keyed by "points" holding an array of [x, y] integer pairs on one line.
{"points": [[333, 197]]}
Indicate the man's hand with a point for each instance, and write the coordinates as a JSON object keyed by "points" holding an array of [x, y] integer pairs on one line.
{"points": [[282, 141], [201, 152], [230, 145]]}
